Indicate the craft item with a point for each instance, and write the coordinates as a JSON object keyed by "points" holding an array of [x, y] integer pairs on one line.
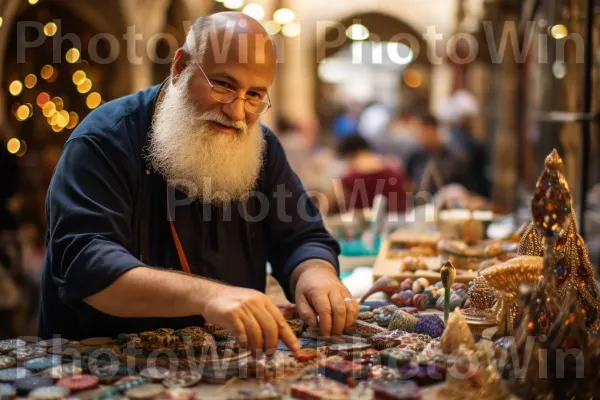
{"points": [[304, 355], [419, 285], [403, 321], [421, 301], [403, 298], [385, 284], [398, 390], [27, 352], [297, 326], [448, 275], [42, 363], [182, 379], [432, 293], [66, 351], [319, 389], [111, 394], [222, 334], [406, 284], [12, 374], [366, 316], [143, 392], [347, 348], [129, 382], [363, 329], [386, 340], [209, 326], [457, 333], [108, 374], [49, 393], [11, 344], [228, 347], [376, 304], [62, 371], [423, 374], [53, 342], [78, 383], [7, 392], [368, 357], [97, 341], [155, 373], [7, 362], [26, 385], [459, 286], [364, 308], [396, 357], [431, 325], [341, 370], [383, 315]]}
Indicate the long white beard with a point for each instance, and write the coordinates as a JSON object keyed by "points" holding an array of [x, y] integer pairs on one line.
{"points": [[205, 164]]}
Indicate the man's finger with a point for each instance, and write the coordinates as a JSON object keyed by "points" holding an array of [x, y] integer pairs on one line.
{"points": [[338, 308], [351, 309], [268, 327], [321, 304], [285, 332], [254, 333], [306, 312]]}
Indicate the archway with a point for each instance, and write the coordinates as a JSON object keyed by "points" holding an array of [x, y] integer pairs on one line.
{"points": [[389, 67]]}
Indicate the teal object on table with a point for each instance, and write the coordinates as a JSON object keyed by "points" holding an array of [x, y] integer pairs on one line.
{"points": [[356, 248]]}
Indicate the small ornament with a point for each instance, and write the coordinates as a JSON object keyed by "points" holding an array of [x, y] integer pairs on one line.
{"points": [[406, 284], [421, 301], [448, 275], [419, 285], [385, 284], [457, 334], [431, 325], [403, 321]]}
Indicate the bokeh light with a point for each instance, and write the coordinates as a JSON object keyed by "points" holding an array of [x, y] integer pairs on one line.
{"points": [[49, 109], [47, 71], [56, 128], [73, 120], [62, 118], [559, 31], [93, 100], [22, 113], [72, 55], [272, 27], [15, 88], [22, 150], [60, 104], [412, 78], [79, 77], [30, 81], [291, 30], [13, 146], [284, 16], [32, 2], [85, 87], [233, 4], [42, 99], [50, 29], [357, 32], [255, 11]]}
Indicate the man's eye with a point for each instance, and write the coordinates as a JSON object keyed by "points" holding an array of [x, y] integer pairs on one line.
{"points": [[254, 95], [223, 83]]}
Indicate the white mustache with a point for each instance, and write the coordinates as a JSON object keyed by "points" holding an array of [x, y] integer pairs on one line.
{"points": [[220, 118]]}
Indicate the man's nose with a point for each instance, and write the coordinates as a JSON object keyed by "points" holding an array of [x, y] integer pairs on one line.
{"points": [[235, 110]]}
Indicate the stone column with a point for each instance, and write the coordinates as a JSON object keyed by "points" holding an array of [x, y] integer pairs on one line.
{"points": [[144, 19]]}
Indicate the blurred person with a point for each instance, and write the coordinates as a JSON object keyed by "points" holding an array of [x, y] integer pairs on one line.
{"points": [[433, 165], [151, 213], [374, 120], [369, 175], [459, 110], [400, 137], [346, 122]]}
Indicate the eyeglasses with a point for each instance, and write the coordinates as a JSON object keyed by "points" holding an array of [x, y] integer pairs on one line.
{"points": [[227, 96]]}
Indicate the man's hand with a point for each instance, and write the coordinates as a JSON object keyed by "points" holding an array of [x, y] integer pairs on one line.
{"points": [[251, 317], [320, 292]]}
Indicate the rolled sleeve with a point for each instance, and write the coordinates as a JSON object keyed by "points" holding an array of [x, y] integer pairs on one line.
{"points": [[89, 212]]}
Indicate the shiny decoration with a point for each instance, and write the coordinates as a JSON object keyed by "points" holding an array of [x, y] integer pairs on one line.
{"points": [[456, 334], [570, 266], [403, 321]]}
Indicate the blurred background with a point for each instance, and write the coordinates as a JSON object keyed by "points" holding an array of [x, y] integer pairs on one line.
{"points": [[467, 95]]}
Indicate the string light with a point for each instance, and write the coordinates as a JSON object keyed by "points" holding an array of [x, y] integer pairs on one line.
{"points": [[30, 81], [15, 88], [50, 29], [93, 100], [13, 145]]}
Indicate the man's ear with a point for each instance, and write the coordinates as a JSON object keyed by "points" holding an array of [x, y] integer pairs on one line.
{"points": [[180, 61]]}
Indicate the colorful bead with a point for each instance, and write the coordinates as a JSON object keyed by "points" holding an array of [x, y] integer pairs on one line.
{"points": [[431, 325], [403, 321], [419, 285], [421, 301], [406, 284]]}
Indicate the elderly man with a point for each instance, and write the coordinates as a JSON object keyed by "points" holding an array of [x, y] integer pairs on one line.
{"points": [[167, 204]]}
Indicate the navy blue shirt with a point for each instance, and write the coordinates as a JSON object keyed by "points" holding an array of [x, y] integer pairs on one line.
{"points": [[107, 214]]}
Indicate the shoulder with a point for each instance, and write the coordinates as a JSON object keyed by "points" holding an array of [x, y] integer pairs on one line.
{"points": [[123, 122]]}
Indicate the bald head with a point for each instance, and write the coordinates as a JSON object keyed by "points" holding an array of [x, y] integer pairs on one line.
{"points": [[230, 37]]}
